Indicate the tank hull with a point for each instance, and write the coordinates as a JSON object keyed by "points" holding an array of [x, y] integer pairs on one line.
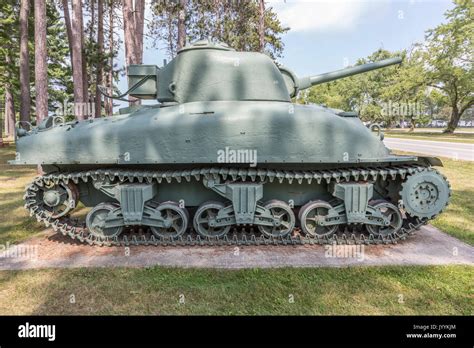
{"points": [[209, 133]]}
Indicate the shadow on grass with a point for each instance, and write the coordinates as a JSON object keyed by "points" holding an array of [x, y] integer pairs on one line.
{"points": [[387, 290]]}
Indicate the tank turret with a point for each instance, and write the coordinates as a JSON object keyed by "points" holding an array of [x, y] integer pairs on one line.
{"points": [[207, 70]]}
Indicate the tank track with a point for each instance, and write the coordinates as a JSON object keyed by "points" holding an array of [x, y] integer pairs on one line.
{"points": [[76, 229]]}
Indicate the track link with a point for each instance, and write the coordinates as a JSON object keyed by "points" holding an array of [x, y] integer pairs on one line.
{"points": [[76, 229]]}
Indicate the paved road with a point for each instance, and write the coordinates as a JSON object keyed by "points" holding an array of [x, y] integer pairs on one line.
{"points": [[460, 151], [429, 246]]}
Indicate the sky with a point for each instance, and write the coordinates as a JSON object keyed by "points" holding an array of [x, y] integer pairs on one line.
{"points": [[328, 35]]}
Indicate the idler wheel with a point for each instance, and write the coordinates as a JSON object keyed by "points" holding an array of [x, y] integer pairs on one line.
{"points": [[60, 199], [311, 214], [393, 215], [95, 221], [175, 220], [203, 219], [284, 219]]}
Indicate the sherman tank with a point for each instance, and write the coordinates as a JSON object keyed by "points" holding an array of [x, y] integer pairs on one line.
{"points": [[226, 157]]}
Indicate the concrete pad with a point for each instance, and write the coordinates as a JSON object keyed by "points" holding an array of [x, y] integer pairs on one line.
{"points": [[428, 246]]}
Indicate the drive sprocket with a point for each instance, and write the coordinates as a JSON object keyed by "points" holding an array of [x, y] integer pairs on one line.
{"points": [[425, 194]]}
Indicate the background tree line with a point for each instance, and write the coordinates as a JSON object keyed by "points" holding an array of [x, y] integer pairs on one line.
{"points": [[55, 50], [51, 53], [436, 79]]}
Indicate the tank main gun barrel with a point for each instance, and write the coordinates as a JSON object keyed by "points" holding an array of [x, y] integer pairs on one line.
{"points": [[308, 81]]}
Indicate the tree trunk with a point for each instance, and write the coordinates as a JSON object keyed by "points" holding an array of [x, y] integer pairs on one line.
{"points": [[133, 23], [110, 105], [92, 25], [77, 48], [25, 96], [171, 42], [9, 112], [1, 133], [139, 26], [454, 120], [9, 102], [412, 124], [41, 72], [67, 22], [261, 25], [100, 48], [88, 79], [5, 119], [129, 36], [217, 10], [182, 24], [85, 76], [128, 28]]}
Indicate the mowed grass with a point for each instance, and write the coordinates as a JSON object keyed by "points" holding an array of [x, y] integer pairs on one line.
{"points": [[467, 138], [458, 218], [439, 129], [317, 291], [15, 222]]}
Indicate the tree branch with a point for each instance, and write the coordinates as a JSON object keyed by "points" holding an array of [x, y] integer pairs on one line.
{"points": [[438, 87], [466, 106]]}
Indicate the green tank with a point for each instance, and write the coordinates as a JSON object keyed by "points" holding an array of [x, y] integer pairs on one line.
{"points": [[225, 157]]}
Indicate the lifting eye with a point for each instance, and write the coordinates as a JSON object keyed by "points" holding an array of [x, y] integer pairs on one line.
{"points": [[172, 87]]}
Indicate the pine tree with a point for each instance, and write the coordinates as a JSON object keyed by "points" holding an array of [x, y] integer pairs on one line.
{"points": [[25, 104], [41, 63], [244, 25], [133, 23], [80, 93]]}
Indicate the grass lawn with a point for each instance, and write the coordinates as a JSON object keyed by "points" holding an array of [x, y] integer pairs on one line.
{"points": [[458, 219], [435, 130], [15, 222], [431, 136], [156, 290]]}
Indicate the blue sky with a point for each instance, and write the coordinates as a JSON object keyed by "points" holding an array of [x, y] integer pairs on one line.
{"points": [[325, 35]]}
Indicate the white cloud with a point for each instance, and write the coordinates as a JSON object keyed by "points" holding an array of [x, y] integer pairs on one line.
{"points": [[319, 15]]}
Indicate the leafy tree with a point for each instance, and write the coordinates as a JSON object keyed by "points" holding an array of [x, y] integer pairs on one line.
{"points": [[366, 93], [434, 74], [406, 94], [447, 53]]}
